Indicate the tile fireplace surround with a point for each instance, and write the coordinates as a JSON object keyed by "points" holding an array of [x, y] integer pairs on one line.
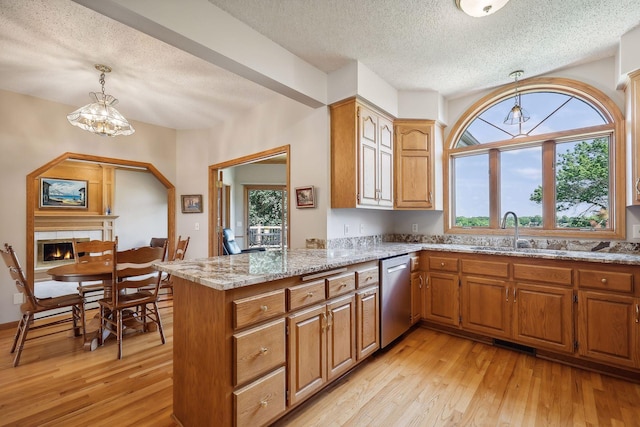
{"points": [[64, 228]]}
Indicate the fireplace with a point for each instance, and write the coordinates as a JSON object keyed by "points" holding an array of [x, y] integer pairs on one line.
{"points": [[52, 252]]}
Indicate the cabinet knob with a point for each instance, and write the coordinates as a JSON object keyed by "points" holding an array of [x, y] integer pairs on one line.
{"points": [[263, 308], [309, 294], [442, 264], [264, 350], [603, 280], [264, 403]]}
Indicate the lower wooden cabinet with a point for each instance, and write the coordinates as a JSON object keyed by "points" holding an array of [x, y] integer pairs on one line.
{"points": [[441, 299], [417, 296], [543, 317], [584, 312], [307, 351], [485, 306], [608, 328], [341, 336], [322, 346], [367, 321]]}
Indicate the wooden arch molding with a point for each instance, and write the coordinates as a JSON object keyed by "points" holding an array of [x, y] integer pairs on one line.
{"points": [[32, 193]]}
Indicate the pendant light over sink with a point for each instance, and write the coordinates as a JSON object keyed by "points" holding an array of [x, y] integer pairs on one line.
{"points": [[100, 117], [517, 115]]}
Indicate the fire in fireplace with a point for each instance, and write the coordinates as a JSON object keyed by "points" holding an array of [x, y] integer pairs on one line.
{"points": [[57, 251], [54, 251]]}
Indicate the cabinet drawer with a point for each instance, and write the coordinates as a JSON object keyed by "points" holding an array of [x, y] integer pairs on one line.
{"points": [[415, 263], [258, 351], [367, 277], [304, 295], [248, 311], [605, 280], [485, 268], [538, 273], [341, 284], [443, 264], [261, 401]]}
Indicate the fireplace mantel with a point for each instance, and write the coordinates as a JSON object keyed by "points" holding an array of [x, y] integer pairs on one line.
{"points": [[68, 222]]}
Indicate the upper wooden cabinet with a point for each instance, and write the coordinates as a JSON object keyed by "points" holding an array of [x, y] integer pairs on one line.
{"points": [[415, 183], [633, 138], [361, 156]]}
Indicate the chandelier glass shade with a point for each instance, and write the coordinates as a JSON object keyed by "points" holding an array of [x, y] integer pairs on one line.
{"points": [[100, 117], [517, 115]]}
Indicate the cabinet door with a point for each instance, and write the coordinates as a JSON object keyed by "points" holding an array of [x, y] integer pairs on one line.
{"points": [[414, 170], [543, 317], [368, 322], [485, 306], [307, 352], [416, 297], [341, 336], [633, 137], [385, 163], [607, 328], [368, 157], [441, 299]]}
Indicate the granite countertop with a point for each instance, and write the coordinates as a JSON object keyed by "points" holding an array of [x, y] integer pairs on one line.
{"points": [[228, 272]]}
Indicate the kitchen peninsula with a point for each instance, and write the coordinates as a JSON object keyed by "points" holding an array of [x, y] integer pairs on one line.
{"points": [[257, 334]]}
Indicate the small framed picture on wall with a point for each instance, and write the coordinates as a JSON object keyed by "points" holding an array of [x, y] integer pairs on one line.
{"points": [[305, 197], [191, 203]]}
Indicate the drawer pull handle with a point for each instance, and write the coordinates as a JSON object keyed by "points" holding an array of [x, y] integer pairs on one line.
{"points": [[343, 285], [637, 313], [264, 350], [264, 308], [603, 280], [264, 403], [309, 294]]}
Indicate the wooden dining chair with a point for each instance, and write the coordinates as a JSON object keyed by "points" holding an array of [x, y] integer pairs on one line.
{"points": [[177, 255], [40, 306], [91, 251], [128, 303]]}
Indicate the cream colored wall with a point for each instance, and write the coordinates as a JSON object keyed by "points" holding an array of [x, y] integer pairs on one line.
{"points": [[32, 133], [273, 124]]}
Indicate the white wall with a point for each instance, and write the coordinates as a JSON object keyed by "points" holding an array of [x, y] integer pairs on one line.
{"points": [[273, 124], [32, 133], [141, 205]]}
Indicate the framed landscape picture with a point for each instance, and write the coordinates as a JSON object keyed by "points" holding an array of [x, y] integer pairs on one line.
{"points": [[305, 197], [63, 193], [191, 203]]}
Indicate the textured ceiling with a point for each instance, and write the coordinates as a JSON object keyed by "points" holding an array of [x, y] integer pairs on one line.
{"points": [[430, 44], [48, 48]]}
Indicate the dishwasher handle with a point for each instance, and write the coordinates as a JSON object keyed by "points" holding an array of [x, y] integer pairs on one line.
{"points": [[396, 268]]}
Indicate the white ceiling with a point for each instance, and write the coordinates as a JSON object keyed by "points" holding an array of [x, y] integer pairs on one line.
{"points": [[48, 48]]}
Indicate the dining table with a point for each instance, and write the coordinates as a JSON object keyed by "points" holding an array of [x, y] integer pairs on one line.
{"points": [[85, 272]]}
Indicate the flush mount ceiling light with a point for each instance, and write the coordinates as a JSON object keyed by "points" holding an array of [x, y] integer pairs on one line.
{"points": [[480, 8], [100, 117], [517, 115]]}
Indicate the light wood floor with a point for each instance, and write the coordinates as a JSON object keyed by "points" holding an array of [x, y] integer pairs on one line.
{"points": [[427, 379]]}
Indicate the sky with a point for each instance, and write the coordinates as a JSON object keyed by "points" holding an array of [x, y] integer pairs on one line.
{"points": [[521, 170]]}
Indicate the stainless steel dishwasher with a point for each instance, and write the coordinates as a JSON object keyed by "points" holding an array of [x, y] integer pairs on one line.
{"points": [[395, 298]]}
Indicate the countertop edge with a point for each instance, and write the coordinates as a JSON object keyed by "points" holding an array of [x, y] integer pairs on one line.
{"points": [[229, 272]]}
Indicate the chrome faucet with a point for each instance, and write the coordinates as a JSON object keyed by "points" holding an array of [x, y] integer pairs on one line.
{"points": [[504, 225]]}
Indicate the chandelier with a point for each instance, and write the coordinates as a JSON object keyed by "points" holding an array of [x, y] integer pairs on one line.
{"points": [[100, 117], [517, 115]]}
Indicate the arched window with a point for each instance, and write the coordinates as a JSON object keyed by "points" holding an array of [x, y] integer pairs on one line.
{"points": [[561, 171]]}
